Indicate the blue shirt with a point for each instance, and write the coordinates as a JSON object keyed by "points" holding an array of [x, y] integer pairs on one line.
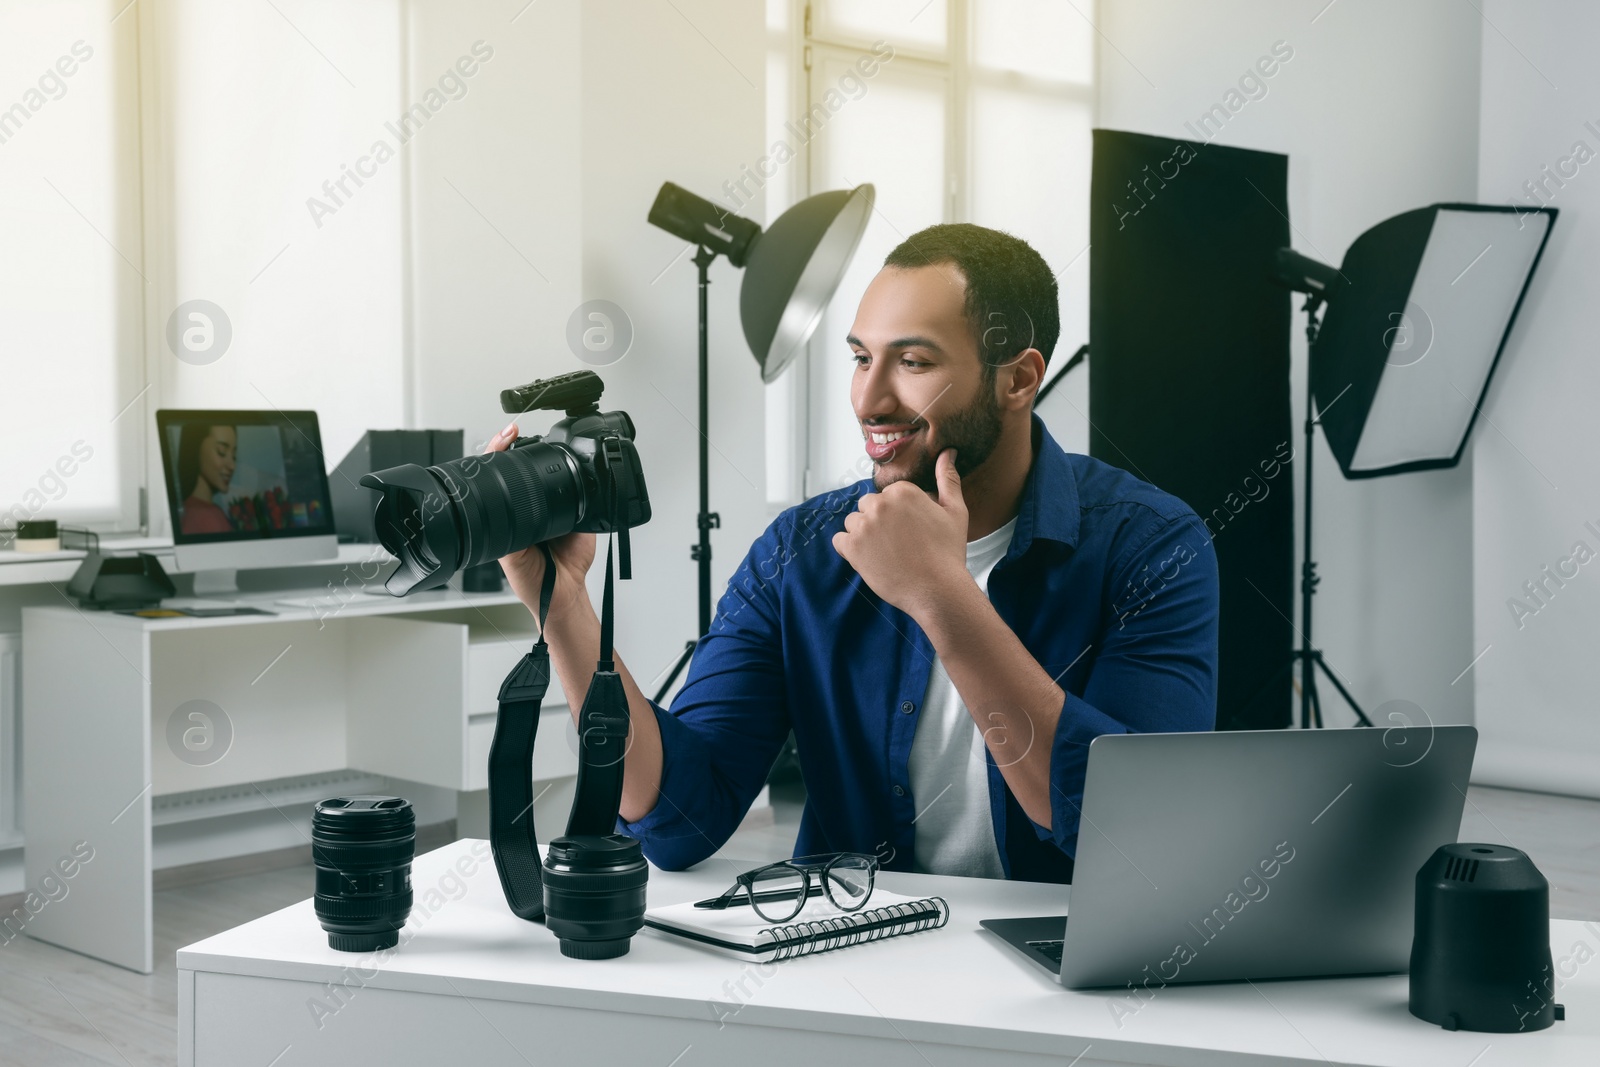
{"points": [[1110, 583]]}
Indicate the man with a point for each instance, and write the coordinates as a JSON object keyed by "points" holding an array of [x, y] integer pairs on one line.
{"points": [[945, 638]]}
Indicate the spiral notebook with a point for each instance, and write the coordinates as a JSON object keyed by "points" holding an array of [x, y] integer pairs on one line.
{"points": [[820, 927]]}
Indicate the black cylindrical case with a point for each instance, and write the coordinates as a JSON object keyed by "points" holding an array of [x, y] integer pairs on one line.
{"points": [[1480, 953]]}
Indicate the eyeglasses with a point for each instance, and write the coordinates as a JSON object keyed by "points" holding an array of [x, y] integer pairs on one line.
{"points": [[780, 890]]}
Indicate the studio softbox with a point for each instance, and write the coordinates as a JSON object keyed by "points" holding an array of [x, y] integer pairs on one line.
{"points": [[1416, 321]]}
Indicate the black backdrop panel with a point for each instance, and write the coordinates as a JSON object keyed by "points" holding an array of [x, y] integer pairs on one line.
{"points": [[1189, 386]]}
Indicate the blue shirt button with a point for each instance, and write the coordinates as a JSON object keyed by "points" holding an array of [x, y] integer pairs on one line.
{"points": [[907, 707], [899, 790]]}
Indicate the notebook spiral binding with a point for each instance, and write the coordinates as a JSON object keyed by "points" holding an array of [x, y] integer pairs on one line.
{"points": [[824, 935]]}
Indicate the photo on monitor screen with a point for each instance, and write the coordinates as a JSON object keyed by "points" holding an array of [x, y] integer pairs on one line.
{"points": [[244, 474]]}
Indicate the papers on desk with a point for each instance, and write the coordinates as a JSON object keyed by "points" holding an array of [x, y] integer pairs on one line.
{"points": [[820, 927]]}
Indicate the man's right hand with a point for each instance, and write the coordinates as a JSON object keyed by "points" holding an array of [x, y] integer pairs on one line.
{"points": [[573, 553]]}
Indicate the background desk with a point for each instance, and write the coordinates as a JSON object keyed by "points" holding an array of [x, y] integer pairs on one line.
{"points": [[474, 984], [398, 687]]}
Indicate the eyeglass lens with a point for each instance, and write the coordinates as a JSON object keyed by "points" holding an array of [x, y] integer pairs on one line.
{"points": [[778, 893], [848, 881]]}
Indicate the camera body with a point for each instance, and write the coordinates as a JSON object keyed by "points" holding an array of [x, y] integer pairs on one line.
{"points": [[579, 443], [583, 475]]}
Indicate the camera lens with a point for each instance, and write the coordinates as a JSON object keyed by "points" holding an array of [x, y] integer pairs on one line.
{"points": [[363, 846], [465, 512], [594, 894], [441, 519]]}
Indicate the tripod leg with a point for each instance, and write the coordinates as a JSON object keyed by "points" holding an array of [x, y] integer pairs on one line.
{"points": [[1310, 706], [1361, 716], [677, 669]]}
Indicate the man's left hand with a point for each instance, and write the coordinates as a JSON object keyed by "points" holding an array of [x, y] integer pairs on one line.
{"points": [[908, 546]]}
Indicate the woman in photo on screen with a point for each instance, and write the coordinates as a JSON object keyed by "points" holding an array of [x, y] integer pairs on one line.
{"points": [[207, 456]]}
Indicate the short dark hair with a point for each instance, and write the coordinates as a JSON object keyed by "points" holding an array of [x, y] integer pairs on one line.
{"points": [[1012, 300]]}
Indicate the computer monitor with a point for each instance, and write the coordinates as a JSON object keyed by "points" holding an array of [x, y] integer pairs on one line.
{"points": [[246, 488]]}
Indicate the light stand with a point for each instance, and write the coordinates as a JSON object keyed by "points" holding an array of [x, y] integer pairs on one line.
{"points": [[1417, 318], [1316, 280], [1308, 655], [791, 271], [707, 520]]}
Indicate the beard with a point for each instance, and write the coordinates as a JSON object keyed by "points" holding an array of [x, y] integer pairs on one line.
{"points": [[973, 432]]}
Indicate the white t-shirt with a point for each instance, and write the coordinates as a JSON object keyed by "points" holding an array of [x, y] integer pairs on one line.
{"points": [[949, 774]]}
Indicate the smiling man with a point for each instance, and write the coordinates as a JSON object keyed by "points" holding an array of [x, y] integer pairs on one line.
{"points": [[945, 638]]}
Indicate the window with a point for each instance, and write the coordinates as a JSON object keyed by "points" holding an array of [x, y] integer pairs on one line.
{"points": [[955, 110], [168, 181], [72, 277]]}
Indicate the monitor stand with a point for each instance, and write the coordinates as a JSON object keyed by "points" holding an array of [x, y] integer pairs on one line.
{"points": [[216, 565], [217, 582]]}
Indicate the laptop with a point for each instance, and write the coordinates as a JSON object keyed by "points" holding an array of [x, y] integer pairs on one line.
{"points": [[1207, 857]]}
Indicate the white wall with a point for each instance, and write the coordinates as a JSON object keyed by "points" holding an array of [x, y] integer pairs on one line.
{"points": [[673, 92], [494, 226], [246, 114], [1377, 111], [560, 146], [1535, 486], [446, 273]]}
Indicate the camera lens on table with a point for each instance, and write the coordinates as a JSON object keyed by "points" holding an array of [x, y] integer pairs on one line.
{"points": [[594, 894], [362, 847]]}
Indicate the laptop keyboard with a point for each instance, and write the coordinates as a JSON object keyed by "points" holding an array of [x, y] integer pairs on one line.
{"points": [[1051, 948]]}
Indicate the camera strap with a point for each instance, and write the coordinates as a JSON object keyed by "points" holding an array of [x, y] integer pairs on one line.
{"points": [[511, 832], [602, 736], [603, 722]]}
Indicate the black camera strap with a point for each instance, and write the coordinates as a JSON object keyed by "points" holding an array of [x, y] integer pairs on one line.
{"points": [[602, 736], [511, 833], [603, 723]]}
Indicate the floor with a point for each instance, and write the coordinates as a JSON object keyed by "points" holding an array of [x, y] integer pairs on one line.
{"points": [[59, 1009]]}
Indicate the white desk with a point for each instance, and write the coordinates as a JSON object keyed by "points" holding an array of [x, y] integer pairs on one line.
{"points": [[474, 984], [28, 568], [32, 568], [398, 687]]}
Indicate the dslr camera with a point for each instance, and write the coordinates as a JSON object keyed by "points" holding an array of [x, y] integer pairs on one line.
{"points": [[583, 475]]}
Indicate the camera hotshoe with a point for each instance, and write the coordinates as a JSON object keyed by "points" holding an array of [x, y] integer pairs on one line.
{"points": [[441, 519]]}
